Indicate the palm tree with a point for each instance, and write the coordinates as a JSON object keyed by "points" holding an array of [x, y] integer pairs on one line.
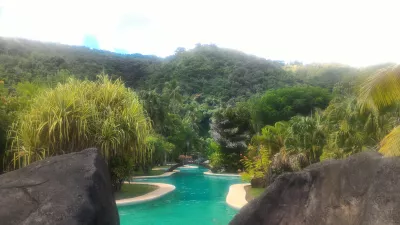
{"points": [[379, 92], [307, 135], [284, 158], [275, 136]]}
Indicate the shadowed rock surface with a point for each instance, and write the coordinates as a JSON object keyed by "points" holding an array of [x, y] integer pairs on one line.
{"points": [[259, 182], [72, 189], [362, 189]]}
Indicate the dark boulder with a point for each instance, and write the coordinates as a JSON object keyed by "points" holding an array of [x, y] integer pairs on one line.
{"points": [[72, 189], [258, 182], [362, 189]]}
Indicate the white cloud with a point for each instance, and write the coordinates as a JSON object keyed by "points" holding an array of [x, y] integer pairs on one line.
{"points": [[353, 32]]}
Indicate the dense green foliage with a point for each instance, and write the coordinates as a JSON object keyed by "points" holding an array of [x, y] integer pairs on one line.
{"points": [[231, 129], [342, 129], [82, 114], [284, 103], [211, 73], [179, 120], [221, 74], [24, 60], [322, 75], [239, 111], [257, 164]]}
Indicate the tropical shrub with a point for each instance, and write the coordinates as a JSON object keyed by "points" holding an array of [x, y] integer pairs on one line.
{"points": [[81, 114], [257, 163], [216, 157]]}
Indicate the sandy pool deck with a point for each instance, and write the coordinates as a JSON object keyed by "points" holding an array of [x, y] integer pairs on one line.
{"points": [[236, 197], [162, 190], [166, 174]]}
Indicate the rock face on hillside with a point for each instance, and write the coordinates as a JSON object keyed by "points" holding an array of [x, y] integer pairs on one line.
{"points": [[73, 189], [362, 189]]}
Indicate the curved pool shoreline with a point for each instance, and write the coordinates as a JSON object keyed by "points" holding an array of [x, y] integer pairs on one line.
{"points": [[162, 190], [196, 196], [236, 197], [209, 173], [166, 174]]}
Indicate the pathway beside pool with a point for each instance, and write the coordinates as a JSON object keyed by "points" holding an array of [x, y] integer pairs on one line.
{"points": [[192, 167], [162, 190], [159, 168], [236, 197], [221, 174], [167, 174]]}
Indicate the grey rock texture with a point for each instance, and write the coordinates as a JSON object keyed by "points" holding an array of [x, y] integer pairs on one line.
{"points": [[362, 189], [72, 189]]}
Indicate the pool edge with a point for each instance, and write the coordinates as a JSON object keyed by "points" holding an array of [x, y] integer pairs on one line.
{"points": [[209, 173], [162, 190], [236, 197]]}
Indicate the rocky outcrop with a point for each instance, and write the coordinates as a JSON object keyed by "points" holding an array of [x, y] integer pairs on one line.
{"points": [[259, 182], [72, 189], [362, 189]]}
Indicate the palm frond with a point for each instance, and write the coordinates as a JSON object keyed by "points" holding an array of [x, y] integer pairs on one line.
{"points": [[390, 145], [382, 89]]}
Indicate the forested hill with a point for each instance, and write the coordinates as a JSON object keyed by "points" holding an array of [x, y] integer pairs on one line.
{"points": [[22, 59], [225, 74], [205, 71]]}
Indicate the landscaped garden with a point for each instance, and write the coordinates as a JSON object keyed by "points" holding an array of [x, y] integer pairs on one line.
{"points": [[240, 114]]}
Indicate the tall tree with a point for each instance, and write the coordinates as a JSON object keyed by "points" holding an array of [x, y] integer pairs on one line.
{"points": [[231, 129]]}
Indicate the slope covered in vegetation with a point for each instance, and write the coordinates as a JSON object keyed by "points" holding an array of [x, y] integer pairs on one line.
{"points": [[238, 110], [206, 71], [216, 73], [23, 60]]}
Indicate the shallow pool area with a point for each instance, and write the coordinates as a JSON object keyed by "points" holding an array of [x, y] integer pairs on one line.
{"points": [[197, 199]]}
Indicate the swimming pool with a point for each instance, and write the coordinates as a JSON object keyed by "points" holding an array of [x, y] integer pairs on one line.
{"points": [[197, 200]]}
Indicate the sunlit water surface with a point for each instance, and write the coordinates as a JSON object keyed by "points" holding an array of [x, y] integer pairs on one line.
{"points": [[197, 200]]}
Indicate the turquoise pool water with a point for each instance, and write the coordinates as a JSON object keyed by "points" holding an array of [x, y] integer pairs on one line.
{"points": [[197, 200]]}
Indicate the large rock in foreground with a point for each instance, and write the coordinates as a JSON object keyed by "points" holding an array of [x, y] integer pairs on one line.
{"points": [[68, 189], [362, 189]]}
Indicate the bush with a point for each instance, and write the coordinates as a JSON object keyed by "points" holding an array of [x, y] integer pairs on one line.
{"points": [[257, 164], [121, 168], [216, 161], [81, 114]]}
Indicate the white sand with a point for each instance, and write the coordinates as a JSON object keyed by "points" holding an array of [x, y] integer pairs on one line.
{"points": [[236, 197], [162, 190], [209, 173], [166, 174]]}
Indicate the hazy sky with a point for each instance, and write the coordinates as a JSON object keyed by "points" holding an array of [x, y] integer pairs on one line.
{"points": [[354, 32]]}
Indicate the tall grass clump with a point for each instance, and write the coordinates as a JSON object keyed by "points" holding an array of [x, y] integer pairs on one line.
{"points": [[81, 114]]}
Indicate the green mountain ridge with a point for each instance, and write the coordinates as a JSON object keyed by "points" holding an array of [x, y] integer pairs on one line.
{"points": [[206, 70]]}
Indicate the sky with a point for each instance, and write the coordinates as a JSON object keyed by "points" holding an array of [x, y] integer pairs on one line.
{"points": [[354, 32]]}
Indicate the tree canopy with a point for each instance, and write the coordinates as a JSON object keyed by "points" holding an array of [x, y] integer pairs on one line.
{"points": [[284, 103], [240, 111]]}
